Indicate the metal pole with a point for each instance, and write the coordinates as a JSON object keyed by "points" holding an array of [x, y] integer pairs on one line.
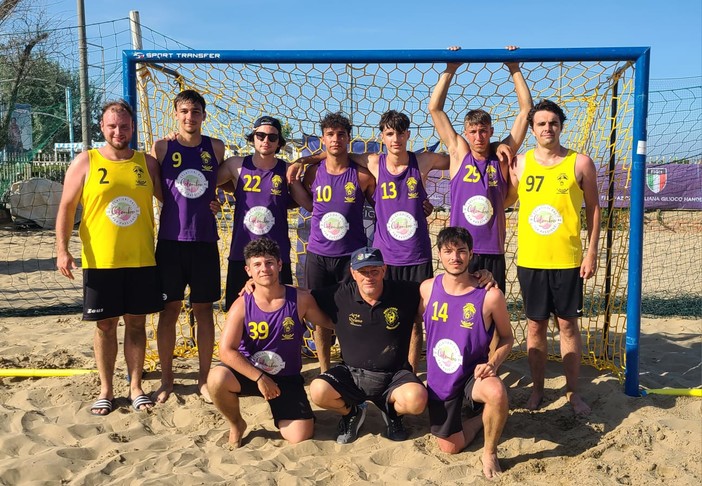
{"points": [[83, 74], [69, 117], [135, 28], [636, 217]]}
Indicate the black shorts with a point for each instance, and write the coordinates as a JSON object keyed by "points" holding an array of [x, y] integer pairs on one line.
{"points": [[237, 277], [321, 271], [113, 292], [292, 404], [410, 273], [551, 291], [445, 416], [356, 385], [495, 264], [193, 263]]}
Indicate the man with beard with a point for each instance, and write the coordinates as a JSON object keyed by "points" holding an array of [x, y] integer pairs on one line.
{"points": [[115, 185]]}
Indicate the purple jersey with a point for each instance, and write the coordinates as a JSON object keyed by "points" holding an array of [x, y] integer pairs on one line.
{"points": [[271, 341], [189, 181], [337, 213], [261, 209], [456, 339], [478, 193], [401, 231]]}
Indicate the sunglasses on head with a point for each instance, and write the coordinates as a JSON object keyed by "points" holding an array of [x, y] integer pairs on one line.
{"points": [[273, 137]]}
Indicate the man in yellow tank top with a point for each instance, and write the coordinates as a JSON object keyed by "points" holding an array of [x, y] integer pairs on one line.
{"points": [[115, 185], [552, 183]]}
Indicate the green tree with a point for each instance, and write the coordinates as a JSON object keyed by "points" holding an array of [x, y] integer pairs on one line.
{"points": [[21, 32]]}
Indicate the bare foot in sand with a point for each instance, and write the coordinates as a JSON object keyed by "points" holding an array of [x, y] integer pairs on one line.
{"points": [[578, 404], [236, 433], [205, 393], [491, 467], [162, 394], [534, 402]]}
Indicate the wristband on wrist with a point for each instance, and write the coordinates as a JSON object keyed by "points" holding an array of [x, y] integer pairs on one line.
{"points": [[259, 377]]}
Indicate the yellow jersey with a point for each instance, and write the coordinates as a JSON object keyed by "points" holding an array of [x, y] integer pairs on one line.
{"points": [[550, 199], [117, 228]]}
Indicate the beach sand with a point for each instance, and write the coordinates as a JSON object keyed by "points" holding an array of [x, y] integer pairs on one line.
{"points": [[47, 435]]}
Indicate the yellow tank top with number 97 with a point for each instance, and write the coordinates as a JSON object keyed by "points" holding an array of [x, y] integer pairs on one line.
{"points": [[550, 199], [117, 227]]}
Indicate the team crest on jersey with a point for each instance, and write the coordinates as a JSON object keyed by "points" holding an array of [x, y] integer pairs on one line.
{"points": [[545, 219], [447, 356], [562, 180], [478, 210], [123, 211], [412, 188], [333, 226], [350, 189], [355, 320], [206, 161], [402, 226], [268, 361], [468, 314], [392, 318], [140, 181], [288, 329], [277, 183], [491, 173]]}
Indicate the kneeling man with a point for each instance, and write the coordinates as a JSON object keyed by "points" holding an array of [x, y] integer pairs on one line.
{"points": [[373, 322], [461, 319], [260, 348]]}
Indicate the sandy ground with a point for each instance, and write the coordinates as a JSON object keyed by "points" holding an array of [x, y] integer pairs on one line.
{"points": [[47, 435]]}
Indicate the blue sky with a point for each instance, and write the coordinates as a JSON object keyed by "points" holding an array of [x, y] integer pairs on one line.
{"points": [[672, 29]]}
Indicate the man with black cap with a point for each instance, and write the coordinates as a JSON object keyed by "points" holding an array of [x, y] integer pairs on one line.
{"points": [[373, 321], [263, 197]]}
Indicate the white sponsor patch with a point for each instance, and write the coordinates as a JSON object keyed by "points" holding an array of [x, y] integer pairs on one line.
{"points": [[123, 211], [334, 226], [191, 183], [447, 356], [268, 361], [545, 219], [259, 220], [402, 226], [478, 210]]}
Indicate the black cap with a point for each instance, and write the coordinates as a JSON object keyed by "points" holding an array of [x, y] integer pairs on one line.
{"points": [[269, 120], [366, 257]]}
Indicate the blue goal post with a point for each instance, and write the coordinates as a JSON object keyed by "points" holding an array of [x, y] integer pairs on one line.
{"points": [[170, 63]]}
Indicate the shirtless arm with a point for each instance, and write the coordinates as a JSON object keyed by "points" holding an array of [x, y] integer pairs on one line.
{"points": [[587, 177], [155, 172], [311, 311], [367, 182], [65, 218], [495, 311], [229, 351], [455, 144]]}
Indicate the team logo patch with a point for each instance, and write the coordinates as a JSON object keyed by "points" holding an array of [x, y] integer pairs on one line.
{"points": [[206, 159], [563, 183], [355, 320], [447, 356], [412, 188], [392, 318], [288, 329], [491, 176], [350, 190], [402, 226], [123, 211], [545, 219], [468, 314], [259, 220], [140, 181], [656, 178], [334, 226], [191, 183], [478, 210], [268, 361], [276, 182]]}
